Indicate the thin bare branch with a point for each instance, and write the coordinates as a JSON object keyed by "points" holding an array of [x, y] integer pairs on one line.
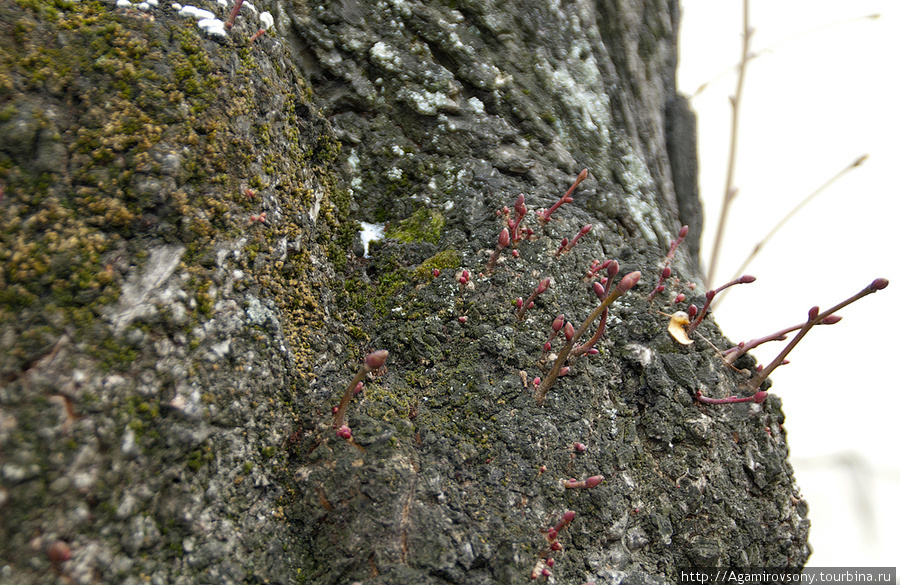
{"points": [[730, 189]]}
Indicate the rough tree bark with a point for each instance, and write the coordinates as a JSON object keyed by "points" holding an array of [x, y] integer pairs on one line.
{"points": [[182, 302]]}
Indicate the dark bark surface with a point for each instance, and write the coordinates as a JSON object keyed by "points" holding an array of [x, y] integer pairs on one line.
{"points": [[169, 362]]}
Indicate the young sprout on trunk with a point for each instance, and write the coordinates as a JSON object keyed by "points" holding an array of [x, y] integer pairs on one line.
{"points": [[627, 283], [515, 225], [555, 328], [523, 306], [545, 563], [596, 267], [666, 271], [464, 278], [588, 347], [266, 21], [567, 245], [234, 12], [561, 525], [710, 295], [585, 484], [544, 216], [373, 362], [502, 242]]}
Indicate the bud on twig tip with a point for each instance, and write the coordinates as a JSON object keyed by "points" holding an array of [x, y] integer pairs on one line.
{"points": [[376, 359], [628, 281]]}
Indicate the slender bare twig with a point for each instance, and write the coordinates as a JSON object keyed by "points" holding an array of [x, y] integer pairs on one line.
{"points": [[373, 362], [759, 246], [730, 189]]}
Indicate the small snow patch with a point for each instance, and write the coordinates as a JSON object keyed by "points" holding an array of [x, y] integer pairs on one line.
{"points": [[194, 12], [370, 232], [213, 26]]}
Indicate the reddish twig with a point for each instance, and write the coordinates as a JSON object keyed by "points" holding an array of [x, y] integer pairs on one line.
{"points": [[544, 216]]}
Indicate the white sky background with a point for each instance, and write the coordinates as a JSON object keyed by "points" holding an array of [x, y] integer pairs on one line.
{"points": [[811, 107]]}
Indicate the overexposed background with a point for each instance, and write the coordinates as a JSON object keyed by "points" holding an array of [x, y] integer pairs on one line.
{"points": [[825, 94]]}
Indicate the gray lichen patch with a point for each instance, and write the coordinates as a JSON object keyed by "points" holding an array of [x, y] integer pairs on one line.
{"points": [[134, 300]]}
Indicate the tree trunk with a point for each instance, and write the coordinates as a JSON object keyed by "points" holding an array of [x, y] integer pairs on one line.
{"points": [[185, 298]]}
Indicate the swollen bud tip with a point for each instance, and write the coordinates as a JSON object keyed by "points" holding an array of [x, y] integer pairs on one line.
{"points": [[558, 323], [747, 279], [683, 232], [59, 552], [376, 359], [520, 205], [628, 281], [879, 283], [612, 269], [503, 240]]}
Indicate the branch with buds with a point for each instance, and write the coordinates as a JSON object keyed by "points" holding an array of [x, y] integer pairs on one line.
{"points": [[567, 245], [585, 484], [502, 242], [515, 225], [682, 324], [710, 295], [628, 281], [523, 306], [814, 318], [544, 216], [555, 328], [373, 362], [666, 271], [612, 269], [544, 564]]}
